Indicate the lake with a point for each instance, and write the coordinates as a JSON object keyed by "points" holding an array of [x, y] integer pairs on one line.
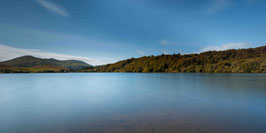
{"points": [[132, 103]]}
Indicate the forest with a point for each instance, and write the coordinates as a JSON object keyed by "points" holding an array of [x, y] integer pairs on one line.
{"points": [[252, 60]]}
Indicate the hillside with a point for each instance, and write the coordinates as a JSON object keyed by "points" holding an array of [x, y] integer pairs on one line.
{"points": [[30, 61], [252, 60], [35, 69]]}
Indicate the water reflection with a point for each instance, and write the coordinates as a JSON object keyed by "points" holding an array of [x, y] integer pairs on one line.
{"points": [[132, 102]]}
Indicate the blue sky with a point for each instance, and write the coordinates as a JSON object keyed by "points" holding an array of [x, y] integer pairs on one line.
{"points": [[105, 31]]}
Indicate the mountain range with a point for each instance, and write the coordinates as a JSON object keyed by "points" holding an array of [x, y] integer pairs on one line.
{"points": [[33, 64], [251, 60]]}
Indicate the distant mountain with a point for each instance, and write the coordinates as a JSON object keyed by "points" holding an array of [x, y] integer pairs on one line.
{"points": [[35, 69], [30, 61], [252, 60]]}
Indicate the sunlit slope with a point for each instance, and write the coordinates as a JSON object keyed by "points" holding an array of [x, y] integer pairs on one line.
{"points": [[252, 60]]}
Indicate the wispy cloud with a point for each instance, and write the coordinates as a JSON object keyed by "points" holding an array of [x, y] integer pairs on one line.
{"points": [[226, 46], [217, 5], [141, 52], [53, 7], [166, 42], [7, 53]]}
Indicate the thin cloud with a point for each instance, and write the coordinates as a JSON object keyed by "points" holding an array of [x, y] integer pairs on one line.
{"points": [[7, 53], [166, 42], [215, 6], [226, 46], [53, 7], [141, 52]]}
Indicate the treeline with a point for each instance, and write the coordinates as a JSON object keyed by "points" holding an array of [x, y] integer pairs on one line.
{"points": [[252, 60]]}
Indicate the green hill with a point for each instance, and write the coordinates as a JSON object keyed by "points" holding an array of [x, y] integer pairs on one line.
{"points": [[35, 69], [30, 61], [252, 60]]}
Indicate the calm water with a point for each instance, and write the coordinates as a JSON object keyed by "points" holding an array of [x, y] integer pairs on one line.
{"points": [[132, 102]]}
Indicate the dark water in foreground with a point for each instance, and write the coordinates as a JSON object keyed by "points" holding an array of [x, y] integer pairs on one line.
{"points": [[132, 103]]}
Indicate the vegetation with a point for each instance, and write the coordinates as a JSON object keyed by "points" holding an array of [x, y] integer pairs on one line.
{"points": [[35, 69], [252, 60], [26, 64]]}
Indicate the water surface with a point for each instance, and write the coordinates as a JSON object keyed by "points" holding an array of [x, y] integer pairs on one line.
{"points": [[132, 103]]}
